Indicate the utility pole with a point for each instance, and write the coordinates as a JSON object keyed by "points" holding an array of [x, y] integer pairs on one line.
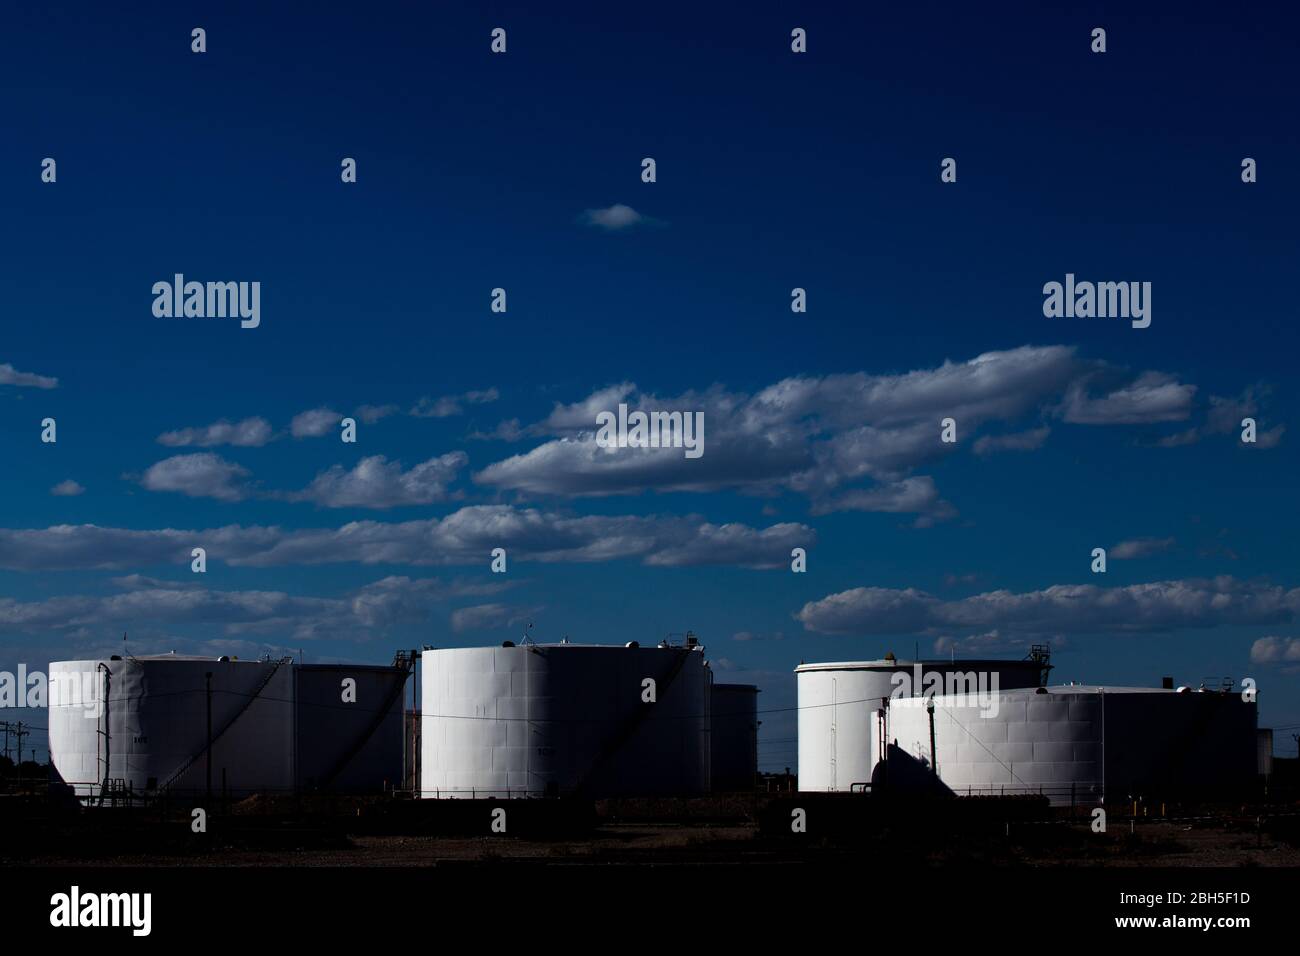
{"points": [[20, 734], [4, 725]]}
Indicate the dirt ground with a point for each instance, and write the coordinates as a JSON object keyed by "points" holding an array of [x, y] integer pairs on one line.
{"points": [[1029, 844]]}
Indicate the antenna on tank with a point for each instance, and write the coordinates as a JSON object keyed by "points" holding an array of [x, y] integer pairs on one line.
{"points": [[528, 634]]}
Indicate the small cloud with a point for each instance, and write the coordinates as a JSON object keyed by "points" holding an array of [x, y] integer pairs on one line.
{"points": [[509, 430], [141, 582], [1189, 436], [249, 433], [1270, 438], [444, 407], [201, 475], [1151, 398], [11, 376], [314, 423], [1141, 547], [751, 636], [1274, 650], [989, 642], [1019, 441], [917, 495], [67, 489], [615, 218], [369, 414], [488, 617], [1224, 417], [449, 405], [376, 482]]}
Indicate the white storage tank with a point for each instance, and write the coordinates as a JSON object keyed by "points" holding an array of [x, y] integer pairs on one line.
{"points": [[838, 703], [734, 738], [1080, 744], [559, 719], [144, 721]]}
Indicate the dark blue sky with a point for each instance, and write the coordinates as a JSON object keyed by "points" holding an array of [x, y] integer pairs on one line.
{"points": [[775, 170]]}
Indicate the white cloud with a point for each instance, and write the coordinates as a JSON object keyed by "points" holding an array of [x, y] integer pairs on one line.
{"points": [[369, 414], [1152, 397], [139, 582], [581, 416], [314, 423], [1017, 441], [463, 537], [1062, 608], [200, 475], [249, 433], [615, 218], [580, 467], [91, 547], [375, 482], [1268, 438], [1140, 547], [820, 435], [916, 495], [449, 405], [751, 636], [1224, 416], [67, 488], [373, 608], [508, 430], [1273, 650], [11, 376], [808, 434], [489, 617], [733, 544]]}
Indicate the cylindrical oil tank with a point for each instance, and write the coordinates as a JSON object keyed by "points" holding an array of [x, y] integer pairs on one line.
{"points": [[1078, 744], [734, 737], [562, 719], [349, 721], [838, 703], [144, 722]]}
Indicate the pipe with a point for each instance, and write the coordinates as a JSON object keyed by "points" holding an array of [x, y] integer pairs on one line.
{"points": [[934, 763], [208, 675]]}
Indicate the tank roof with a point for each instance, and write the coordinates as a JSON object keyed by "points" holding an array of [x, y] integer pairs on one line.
{"points": [[571, 645], [203, 658], [161, 657], [1067, 689], [932, 662]]}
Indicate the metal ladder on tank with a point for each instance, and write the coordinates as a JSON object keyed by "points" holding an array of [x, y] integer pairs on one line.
{"points": [[230, 723], [402, 661], [629, 727]]}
